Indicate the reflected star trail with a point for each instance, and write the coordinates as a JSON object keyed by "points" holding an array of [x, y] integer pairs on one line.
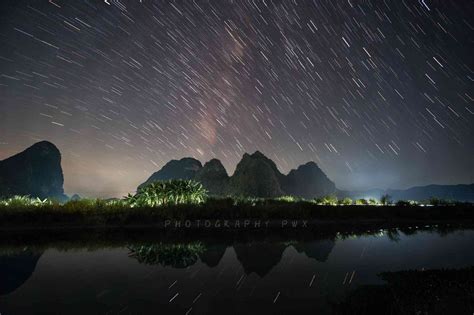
{"points": [[378, 93]]}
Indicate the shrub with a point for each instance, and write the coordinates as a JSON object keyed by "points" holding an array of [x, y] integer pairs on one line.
{"points": [[346, 201], [434, 201], [362, 201], [406, 203], [172, 192], [373, 202], [176, 255], [287, 199], [329, 200]]}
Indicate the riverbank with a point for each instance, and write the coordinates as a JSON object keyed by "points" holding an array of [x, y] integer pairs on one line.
{"points": [[98, 237], [222, 214]]}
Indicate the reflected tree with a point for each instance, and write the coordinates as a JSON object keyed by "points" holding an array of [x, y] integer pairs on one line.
{"points": [[393, 235], [175, 255]]}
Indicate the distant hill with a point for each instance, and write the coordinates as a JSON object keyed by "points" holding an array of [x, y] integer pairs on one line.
{"points": [[316, 249], [35, 172], [259, 257], [308, 181], [255, 176], [213, 177], [185, 168], [419, 193]]}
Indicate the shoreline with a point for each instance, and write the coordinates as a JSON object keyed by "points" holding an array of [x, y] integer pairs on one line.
{"points": [[17, 239], [251, 224], [222, 216]]}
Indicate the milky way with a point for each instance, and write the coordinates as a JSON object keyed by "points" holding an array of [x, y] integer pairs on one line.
{"points": [[378, 93]]}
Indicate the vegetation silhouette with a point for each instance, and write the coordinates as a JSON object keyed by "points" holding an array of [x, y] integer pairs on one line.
{"points": [[175, 255], [171, 192], [187, 200]]}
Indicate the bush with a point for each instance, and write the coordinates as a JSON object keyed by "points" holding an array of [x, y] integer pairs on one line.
{"points": [[406, 203], [329, 200], [287, 199], [345, 202], [175, 255], [434, 201], [373, 202], [172, 192]]}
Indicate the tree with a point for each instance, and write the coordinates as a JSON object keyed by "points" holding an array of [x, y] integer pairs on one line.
{"points": [[435, 201], [175, 255], [346, 201], [373, 202], [362, 201], [403, 203], [330, 200], [386, 199]]}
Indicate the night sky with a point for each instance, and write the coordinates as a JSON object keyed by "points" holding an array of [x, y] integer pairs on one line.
{"points": [[378, 93]]}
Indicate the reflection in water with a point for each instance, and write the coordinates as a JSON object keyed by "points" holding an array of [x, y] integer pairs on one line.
{"points": [[259, 257], [265, 273], [255, 257], [446, 291], [213, 254], [318, 250], [175, 255], [15, 270]]}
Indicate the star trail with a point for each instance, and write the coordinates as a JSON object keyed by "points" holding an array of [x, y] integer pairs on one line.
{"points": [[378, 93]]}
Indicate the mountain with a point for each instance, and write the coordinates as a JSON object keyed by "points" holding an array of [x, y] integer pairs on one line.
{"points": [[185, 168], [75, 197], [213, 177], [256, 176], [16, 269], [259, 257], [419, 193], [308, 181], [35, 172], [213, 254], [316, 249]]}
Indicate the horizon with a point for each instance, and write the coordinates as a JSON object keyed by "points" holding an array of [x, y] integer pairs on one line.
{"points": [[378, 95], [92, 195]]}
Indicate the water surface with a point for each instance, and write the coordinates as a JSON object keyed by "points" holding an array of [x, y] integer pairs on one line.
{"points": [[267, 275]]}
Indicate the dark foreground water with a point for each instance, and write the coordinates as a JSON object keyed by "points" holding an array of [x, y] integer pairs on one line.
{"points": [[268, 275]]}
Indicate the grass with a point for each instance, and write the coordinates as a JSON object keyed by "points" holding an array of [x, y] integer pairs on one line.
{"points": [[188, 200], [22, 211]]}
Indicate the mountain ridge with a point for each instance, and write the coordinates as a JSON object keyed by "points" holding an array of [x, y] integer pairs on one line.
{"points": [[258, 176], [458, 192], [255, 175], [35, 171]]}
